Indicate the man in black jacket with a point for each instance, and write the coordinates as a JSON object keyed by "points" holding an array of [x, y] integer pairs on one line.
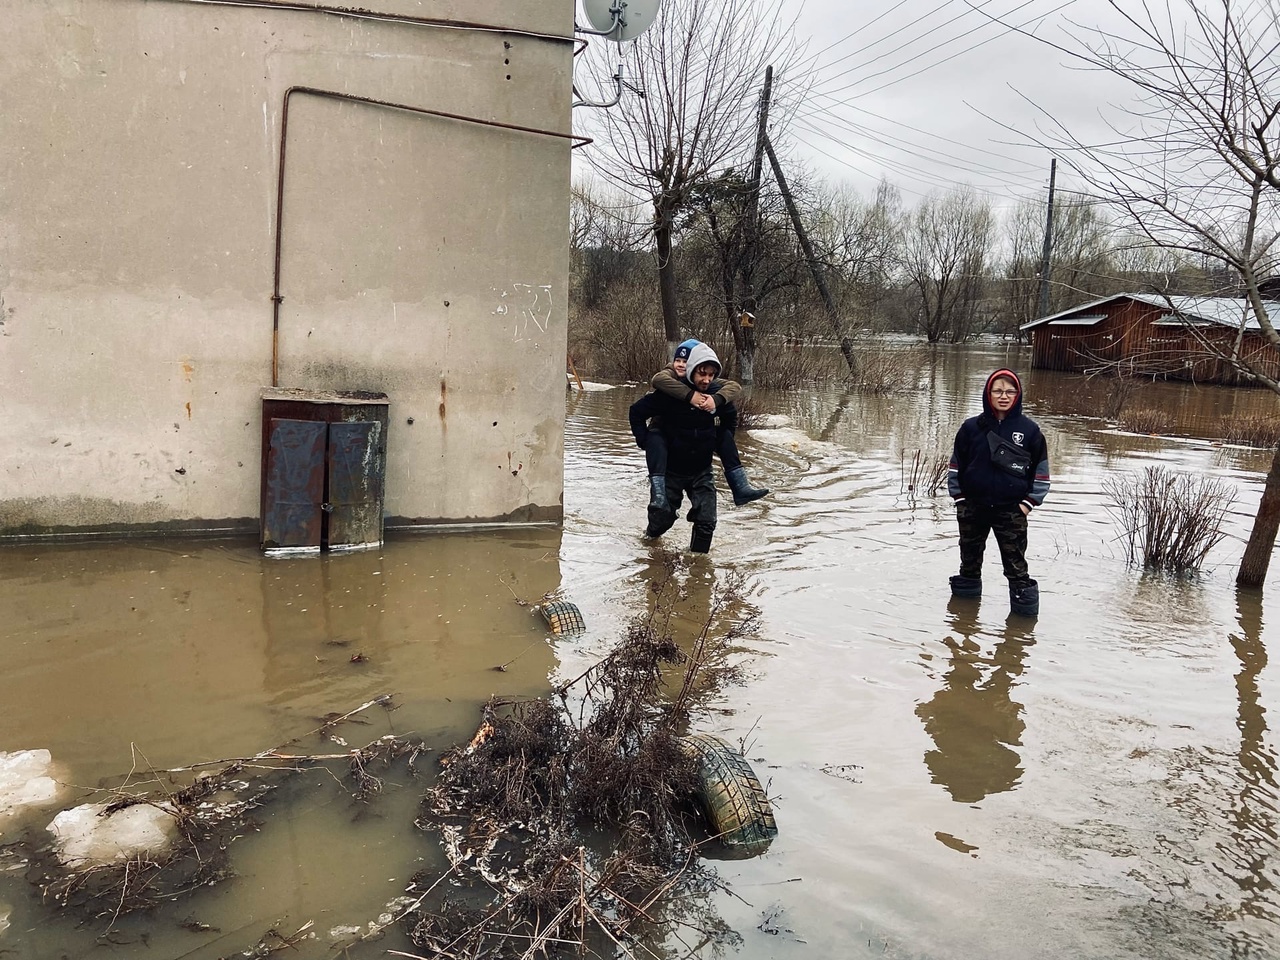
{"points": [[999, 473], [692, 435]]}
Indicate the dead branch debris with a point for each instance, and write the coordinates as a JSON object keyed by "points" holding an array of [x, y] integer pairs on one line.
{"points": [[567, 820], [210, 809]]}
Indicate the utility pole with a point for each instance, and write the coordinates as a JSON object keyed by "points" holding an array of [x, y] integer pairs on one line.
{"points": [[744, 333], [1048, 244], [846, 345]]}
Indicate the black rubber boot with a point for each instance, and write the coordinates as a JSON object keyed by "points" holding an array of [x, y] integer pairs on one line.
{"points": [[1024, 598], [701, 540], [962, 586], [658, 494], [743, 491]]}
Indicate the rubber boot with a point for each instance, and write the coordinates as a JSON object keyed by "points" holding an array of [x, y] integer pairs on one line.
{"points": [[743, 491], [701, 540], [962, 586], [1024, 598], [658, 494]]}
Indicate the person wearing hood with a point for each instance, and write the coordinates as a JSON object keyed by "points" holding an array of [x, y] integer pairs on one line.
{"points": [[999, 473], [671, 381], [691, 435]]}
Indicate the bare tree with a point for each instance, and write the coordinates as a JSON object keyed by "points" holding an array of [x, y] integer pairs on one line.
{"points": [[1194, 167], [607, 236], [945, 253], [860, 242], [699, 67], [1082, 266]]}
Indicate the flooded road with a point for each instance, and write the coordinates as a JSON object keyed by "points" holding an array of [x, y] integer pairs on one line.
{"points": [[948, 782]]}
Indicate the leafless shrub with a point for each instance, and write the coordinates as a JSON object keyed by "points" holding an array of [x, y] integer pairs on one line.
{"points": [[882, 369], [524, 808], [781, 365], [1254, 431], [1168, 520], [1119, 391], [922, 474], [750, 414], [1147, 421], [622, 339]]}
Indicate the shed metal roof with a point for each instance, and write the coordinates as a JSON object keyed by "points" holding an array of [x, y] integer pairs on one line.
{"points": [[1227, 311]]}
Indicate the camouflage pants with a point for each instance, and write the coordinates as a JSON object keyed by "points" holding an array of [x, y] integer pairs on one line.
{"points": [[1010, 527]]}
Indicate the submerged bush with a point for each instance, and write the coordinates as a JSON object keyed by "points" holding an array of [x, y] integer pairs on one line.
{"points": [[1254, 431], [882, 369], [923, 474], [1169, 520], [1147, 421]]}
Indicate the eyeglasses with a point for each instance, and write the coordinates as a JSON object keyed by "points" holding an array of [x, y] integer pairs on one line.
{"points": [[1004, 393]]}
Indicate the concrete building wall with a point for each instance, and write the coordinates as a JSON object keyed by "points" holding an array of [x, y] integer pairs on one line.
{"points": [[422, 257]]}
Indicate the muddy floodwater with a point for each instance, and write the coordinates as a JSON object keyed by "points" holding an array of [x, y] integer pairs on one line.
{"points": [[948, 782]]}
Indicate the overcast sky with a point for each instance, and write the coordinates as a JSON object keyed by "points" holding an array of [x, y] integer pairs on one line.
{"points": [[922, 91], [933, 93]]}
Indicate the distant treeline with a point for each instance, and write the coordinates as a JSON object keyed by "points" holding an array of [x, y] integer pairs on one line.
{"points": [[950, 269]]}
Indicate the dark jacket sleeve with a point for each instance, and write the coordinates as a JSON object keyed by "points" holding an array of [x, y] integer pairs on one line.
{"points": [[728, 415], [959, 460], [1040, 482], [639, 415]]}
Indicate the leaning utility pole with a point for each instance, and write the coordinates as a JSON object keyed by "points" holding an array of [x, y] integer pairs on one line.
{"points": [[744, 332], [1048, 244], [846, 345]]}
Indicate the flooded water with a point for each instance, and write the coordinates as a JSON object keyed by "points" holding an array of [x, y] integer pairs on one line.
{"points": [[948, 782]]}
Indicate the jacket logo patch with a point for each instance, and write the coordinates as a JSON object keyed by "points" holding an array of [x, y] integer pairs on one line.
{"points": [[1019, 437]]}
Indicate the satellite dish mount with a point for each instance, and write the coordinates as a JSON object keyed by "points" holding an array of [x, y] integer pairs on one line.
{"points": [[619, 20]]}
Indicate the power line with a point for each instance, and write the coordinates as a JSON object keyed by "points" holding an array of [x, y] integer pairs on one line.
{"points": [[929, 66], [1026, 172]]}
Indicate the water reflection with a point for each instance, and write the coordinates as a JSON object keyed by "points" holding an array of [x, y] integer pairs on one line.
{"points": [[972, 719], [1251, 857]]}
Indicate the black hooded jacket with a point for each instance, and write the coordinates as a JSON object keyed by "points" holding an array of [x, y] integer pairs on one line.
{"points": [[973, 473], [692, 434]]}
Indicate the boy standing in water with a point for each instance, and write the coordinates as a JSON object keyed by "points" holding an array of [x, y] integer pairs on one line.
{"points": [[999, 472], [671, 381]]}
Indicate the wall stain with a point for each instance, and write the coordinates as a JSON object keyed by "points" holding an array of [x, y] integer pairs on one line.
{"points": [[444, 393]]}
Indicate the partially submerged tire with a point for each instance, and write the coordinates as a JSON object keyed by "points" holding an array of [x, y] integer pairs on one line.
{"points": [[731, 796], [564, 618]]}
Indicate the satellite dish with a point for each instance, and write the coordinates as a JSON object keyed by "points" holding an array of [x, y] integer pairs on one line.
{"points": [[621, 20]]}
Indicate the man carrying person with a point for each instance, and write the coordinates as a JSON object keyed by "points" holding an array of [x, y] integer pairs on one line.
{"points": [[691, 435], [670, 381]]}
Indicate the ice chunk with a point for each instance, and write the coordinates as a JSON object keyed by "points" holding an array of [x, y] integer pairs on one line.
{"points": [[26, 780], [5, 910], [82, 836]]}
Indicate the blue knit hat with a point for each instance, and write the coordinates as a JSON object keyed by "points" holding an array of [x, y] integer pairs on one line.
{"points": [[683, 351]]}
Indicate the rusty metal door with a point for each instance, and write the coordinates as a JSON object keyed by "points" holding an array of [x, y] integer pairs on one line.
{"points": [[355, 472], [293, 512]]}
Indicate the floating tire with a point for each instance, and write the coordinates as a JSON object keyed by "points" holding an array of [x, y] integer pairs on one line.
{"points": [[564, 618], [731, 796]]}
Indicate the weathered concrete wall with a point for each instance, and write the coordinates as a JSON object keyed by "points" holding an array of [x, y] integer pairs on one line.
{"points": [[422, 257]]}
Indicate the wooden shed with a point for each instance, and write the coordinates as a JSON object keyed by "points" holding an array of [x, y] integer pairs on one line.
{"points": [[1155, 336]]}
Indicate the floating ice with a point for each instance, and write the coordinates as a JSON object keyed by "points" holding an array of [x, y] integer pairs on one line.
{"points": [[26, 781], [780, 431], [5, 910], [82, 836]]}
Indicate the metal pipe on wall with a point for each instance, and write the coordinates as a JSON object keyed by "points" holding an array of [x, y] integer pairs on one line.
{"points": [[276, 297], [359, 14]]}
